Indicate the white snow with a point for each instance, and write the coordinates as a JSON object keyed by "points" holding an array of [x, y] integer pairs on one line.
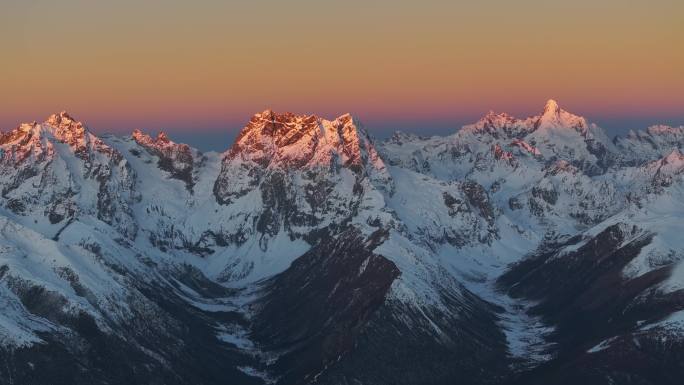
{"points": [[603, 345], [538, 191]]}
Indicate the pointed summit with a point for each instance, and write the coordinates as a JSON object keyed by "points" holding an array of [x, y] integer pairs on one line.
{"points": [[552, 112], [551, 108], [555, 117]]}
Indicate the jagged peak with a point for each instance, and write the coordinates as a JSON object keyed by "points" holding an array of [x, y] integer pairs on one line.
{"points": [[348, 121], [553, 116], [67, 129], [662, 129], [492, 115], [269, 115], [669, 164], [661, 136], [399, 137], [63, 127], [60, 127], [663, 170], [298, 139], [139, 135], [288, 125], [674, 157], [498, 123], [63, 120], [269, 123], [346, 118], [161, 140], [142, 138], [288, 119], [632, 134], [162, 137]]}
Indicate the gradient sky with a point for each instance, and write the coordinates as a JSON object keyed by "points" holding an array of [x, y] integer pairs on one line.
{"points": [[200, 69]]}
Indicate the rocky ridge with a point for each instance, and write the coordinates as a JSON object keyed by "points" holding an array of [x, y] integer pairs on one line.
{"points": [[309, 252]]}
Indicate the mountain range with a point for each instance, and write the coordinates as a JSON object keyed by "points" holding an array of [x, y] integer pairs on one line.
{"points": [[514, 251]]}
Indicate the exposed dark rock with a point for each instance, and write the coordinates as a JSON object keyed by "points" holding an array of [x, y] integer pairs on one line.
{"points": [[478, 197], [584, 294], [316, 309]]}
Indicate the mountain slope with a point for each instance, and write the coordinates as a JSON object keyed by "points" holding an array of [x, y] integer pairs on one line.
{"points": [[534, 250]]}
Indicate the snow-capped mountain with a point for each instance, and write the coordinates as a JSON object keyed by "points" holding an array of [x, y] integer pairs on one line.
{"points": [[533, 250]]}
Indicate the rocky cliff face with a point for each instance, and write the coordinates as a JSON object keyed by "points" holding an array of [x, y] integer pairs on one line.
{"points": [[533, 250], [306, 174], [176, 159]]}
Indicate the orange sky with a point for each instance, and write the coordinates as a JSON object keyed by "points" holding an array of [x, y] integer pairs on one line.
{"points": [[212, 64]]}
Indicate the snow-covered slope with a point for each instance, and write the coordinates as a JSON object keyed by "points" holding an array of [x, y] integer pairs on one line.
{"points": [[308, 251], [656, 141]]}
